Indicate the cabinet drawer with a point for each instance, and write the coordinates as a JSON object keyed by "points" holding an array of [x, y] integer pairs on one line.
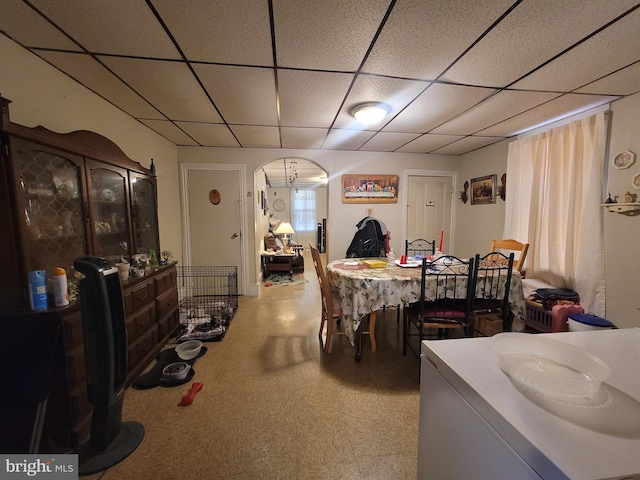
{"points": [[167, 302], [167, 325], [166, 280], [141, 347], [140, 322], [75, 366], [138, 297], [71, 329]]}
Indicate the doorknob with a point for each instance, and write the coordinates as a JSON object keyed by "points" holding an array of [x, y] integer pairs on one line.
{"points": [[235, 235]]}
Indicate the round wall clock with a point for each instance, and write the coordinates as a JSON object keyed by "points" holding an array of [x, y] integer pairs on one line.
{"points": [[278, 205], [624, 159], [214, 196]]}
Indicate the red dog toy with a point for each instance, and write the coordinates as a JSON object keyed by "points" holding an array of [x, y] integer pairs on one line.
{"points": [[188, 398]]}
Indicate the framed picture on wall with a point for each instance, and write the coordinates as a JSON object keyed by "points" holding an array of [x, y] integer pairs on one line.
{"points": [[483, 190], [370, 188]]}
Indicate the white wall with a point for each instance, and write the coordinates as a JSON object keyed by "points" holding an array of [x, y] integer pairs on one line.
{"points": [[41, 95], [477, 225], [622, 231]]}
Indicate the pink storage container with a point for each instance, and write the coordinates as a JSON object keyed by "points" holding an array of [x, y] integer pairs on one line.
{"points": [[560, 314]]}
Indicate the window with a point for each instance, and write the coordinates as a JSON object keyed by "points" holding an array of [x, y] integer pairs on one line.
{"points": [[554, 191], [303, 215]]}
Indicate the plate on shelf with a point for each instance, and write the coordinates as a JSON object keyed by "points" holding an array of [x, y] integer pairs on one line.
{"points": [[408, 264], [624, 159]]}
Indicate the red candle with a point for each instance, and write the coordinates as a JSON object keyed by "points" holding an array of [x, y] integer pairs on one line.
{"points": [[441, 237]]}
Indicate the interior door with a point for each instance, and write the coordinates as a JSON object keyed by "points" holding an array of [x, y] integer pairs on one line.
{"points": [[429, 209], [214, 229]]}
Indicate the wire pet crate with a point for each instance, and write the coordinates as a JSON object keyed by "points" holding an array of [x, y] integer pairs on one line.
{"points": [[208, 300]]}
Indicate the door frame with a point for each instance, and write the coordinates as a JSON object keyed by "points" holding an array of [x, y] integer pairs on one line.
{"points": [[186, 235], [406, 173]]}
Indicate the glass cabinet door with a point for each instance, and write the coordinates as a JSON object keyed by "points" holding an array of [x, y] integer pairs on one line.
{"points": [[110, 213], [143, 213], [50, 206]]}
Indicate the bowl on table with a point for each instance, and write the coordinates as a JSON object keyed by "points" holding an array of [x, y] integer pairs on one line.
{"points": [[189, 349]]}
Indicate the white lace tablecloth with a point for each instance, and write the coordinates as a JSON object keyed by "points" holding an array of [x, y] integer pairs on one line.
{"points": [[363, 290]]}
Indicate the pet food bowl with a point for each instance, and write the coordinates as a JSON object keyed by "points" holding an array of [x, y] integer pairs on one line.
{"points": [[549, 367], [189, 350], [176, 371]]}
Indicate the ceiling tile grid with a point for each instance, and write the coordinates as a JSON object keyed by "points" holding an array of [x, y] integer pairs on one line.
{"points": [[285, 73]]}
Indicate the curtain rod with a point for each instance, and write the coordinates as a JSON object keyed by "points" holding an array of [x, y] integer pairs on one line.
{"points": [[558, 123]]}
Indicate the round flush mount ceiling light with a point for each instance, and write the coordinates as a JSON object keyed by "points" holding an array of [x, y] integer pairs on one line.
{"points": [[370, 113]]}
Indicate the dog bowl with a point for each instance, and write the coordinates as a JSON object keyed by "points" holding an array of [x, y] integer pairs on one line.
{"points": [[189, 350], [175, 371]]}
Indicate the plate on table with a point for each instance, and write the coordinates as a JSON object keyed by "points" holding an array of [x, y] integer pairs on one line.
{"points": [[408, 264]]}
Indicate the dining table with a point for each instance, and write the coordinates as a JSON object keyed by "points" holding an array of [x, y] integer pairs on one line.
{"points": [[364, 290]]}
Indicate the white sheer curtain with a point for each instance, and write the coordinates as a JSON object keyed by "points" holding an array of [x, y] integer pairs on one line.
{"points": [[554, 189], [303, 216]]}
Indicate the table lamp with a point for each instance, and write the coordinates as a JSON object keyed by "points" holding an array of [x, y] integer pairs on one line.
{"points": [[285, 229]]}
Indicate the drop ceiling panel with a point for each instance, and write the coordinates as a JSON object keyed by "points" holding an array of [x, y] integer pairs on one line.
{"points": [[388, 141], [209, 64], [94, 76], [169, 131], [623, 82], [118, 27], [435, 106], [235, 32], [591, 59], [346, 139], [466, 145], [254, 136], [312, 138], [311, 99], [243, 95], [170, 86], [495, 109], [554, 110], [209, 135], [26, 26], [326, 35], [427, 143], [395, 92], [421, 39], [530, 35]]}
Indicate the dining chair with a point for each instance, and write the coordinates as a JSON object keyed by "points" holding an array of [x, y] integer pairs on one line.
{"points": [[515, 246], [331, 313], [490, 302], [419, 246], [446, 291], [371, 248]]}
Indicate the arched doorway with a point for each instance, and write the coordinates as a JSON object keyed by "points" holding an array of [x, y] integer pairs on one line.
{"points": [[296, 192]]}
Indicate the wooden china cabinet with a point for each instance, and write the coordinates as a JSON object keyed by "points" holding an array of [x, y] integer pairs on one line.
{"points": [[63, 196]]}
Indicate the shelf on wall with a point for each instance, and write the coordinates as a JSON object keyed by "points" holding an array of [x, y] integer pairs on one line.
{"points": [[622, 207]]}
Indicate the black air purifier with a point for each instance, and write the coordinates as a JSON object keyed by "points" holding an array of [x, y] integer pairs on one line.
{"points": [[105, 346]]}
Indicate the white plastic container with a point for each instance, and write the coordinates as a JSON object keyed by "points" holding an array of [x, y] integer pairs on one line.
{"points": [[548, 366], [586, 322], [60, 292]]}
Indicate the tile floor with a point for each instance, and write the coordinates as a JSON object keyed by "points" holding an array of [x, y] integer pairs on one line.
{"points": [[274, 407]]}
